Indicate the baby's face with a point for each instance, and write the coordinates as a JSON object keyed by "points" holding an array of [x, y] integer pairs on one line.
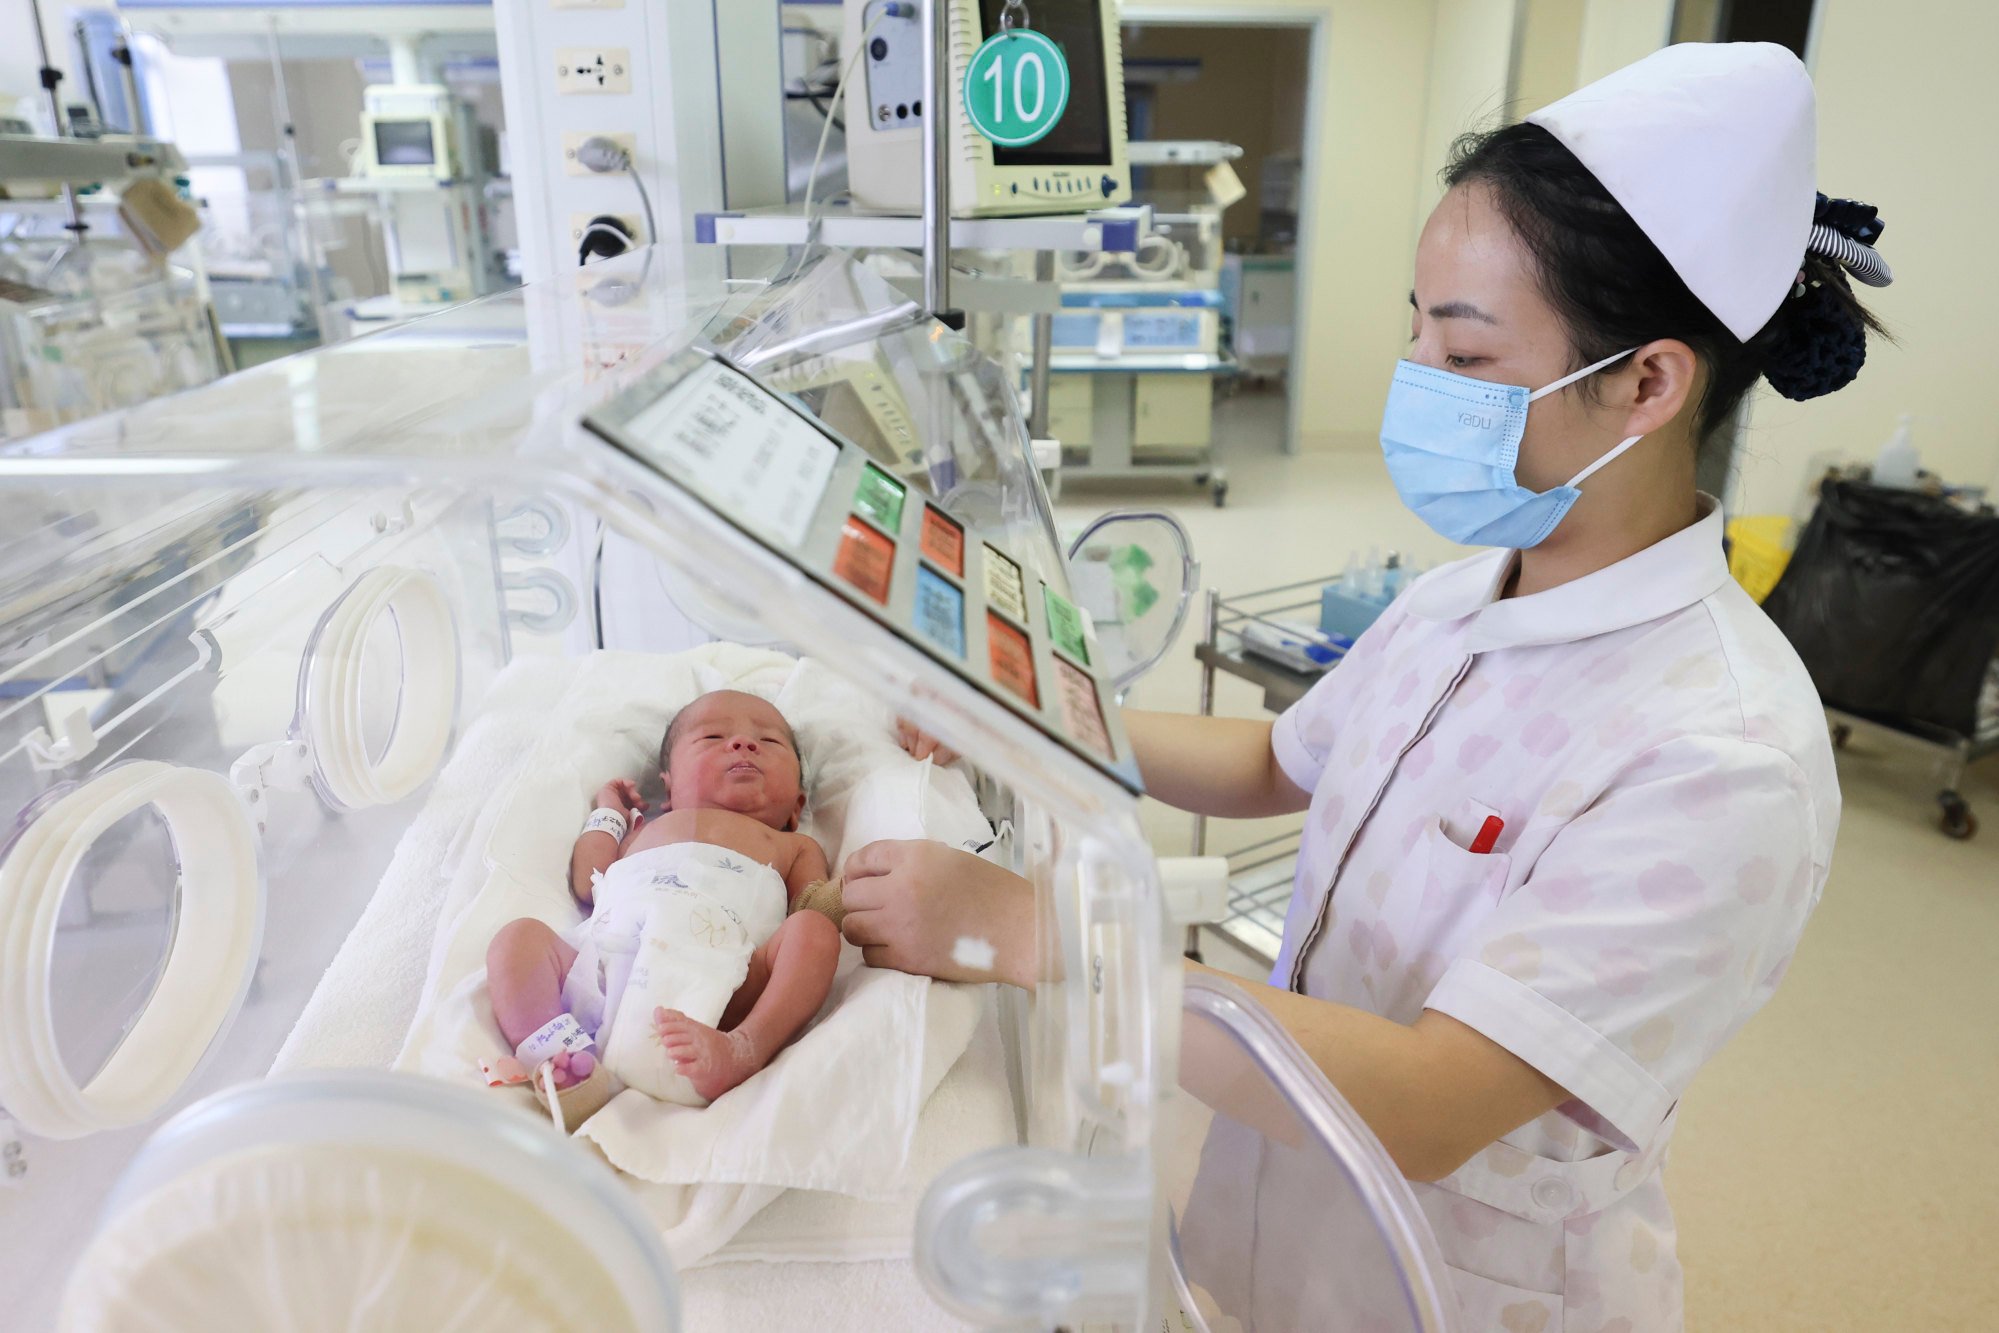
{"points": [[735, 752]]}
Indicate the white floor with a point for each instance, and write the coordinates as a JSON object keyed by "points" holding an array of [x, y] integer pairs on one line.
{"points": [[1835, 1166]]}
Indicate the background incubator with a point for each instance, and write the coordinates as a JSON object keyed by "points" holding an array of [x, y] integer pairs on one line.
{"points": [[251, 672]]}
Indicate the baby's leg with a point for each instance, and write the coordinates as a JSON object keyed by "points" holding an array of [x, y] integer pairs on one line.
{"points": [[526, 965], [795, 967]]}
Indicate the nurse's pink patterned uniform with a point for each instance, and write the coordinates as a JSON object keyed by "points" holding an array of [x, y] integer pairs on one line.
{"points": [[1661, 763]]}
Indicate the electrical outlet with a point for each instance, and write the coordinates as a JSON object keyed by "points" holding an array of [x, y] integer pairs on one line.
{"points": [[632, 223], [571, 142], [593, 69]]}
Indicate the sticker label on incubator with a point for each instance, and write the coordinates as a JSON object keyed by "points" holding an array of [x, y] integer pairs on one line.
{"points": [[1004, 588], [725, 438], [13, 1155], [1077, 693], [865, 559], [879, 497], [943, 542], [940, 611], [1065, 625], [1012, 658]]}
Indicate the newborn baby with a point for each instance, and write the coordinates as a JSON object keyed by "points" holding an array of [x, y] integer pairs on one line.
{"points": [[699, 896]]}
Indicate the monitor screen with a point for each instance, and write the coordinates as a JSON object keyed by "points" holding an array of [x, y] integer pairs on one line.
{"points": [[1082, 138], [405, 143]]}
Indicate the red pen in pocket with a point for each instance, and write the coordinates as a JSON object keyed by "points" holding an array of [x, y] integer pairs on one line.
{"points": [[1488, 836]]}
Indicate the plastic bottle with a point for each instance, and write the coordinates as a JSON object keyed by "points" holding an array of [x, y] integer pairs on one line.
{"points": [[1896, 465]]}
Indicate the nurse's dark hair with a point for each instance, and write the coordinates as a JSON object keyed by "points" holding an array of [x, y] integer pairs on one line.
{"points": [[1614, 290]]}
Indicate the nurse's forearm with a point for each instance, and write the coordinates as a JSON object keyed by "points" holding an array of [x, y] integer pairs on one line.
{"points": [[1435, 1092], [1221, 766]]}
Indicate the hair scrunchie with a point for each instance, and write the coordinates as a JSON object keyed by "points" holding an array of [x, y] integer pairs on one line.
{"points": [[1823, 344]]}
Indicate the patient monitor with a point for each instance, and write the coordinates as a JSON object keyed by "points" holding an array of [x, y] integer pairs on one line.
{"points": [[1078, 166]]}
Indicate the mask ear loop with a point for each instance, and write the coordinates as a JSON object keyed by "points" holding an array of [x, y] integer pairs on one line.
{"points": [[1563, 383], [1566, 380], [1603, 462]]}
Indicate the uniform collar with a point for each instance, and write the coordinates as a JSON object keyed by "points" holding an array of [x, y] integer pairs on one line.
{"points": [[1665, 577]]}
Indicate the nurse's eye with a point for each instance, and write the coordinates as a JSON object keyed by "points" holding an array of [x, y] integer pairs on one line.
{"points": [[1463, 362]]}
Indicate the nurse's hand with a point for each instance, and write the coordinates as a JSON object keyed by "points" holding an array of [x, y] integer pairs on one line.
{"points": [[939, 912]]}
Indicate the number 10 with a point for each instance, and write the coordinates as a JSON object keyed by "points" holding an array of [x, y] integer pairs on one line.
{"points": [[1021, 111]]}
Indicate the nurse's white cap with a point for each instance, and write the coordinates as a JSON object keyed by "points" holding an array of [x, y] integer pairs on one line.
{"points": [[1712, 149]]}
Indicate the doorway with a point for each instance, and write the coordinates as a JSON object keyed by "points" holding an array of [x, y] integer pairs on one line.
{"points": [[1212, 75]]}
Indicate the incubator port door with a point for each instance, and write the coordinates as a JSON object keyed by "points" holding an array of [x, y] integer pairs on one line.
{"points": [[1283, 1210]]}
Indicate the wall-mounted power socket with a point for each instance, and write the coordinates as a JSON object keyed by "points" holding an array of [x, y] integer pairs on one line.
{"points": [[571, 142], [630, 221], [593, 69]]}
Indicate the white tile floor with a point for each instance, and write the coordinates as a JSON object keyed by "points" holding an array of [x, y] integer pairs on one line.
{"points": [[1835, 1165]]}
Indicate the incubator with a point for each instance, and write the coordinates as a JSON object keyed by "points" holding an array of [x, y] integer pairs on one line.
{"points": [[299, 664], [86, 327]]}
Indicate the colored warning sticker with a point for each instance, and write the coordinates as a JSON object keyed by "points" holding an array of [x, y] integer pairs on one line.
{"points": [[1065, 625], [1012, 659], [865, 559], [940, 611], [1080, 713], [1004, 588], [879, 498], [943, 542]]}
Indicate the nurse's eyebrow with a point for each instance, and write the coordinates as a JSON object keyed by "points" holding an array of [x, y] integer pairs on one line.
{"points": [[1455, 310]]}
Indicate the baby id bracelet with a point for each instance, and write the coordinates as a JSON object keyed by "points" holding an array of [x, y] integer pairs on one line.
{"points": [[603, 820]]}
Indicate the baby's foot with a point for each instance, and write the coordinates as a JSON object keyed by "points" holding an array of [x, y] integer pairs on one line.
{"points": [[572, 1067], [712, 1061]]}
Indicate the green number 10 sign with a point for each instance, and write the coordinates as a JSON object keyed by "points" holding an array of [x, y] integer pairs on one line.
{"points": [[1016, 87]]}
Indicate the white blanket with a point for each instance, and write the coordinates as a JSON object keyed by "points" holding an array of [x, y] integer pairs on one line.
{"points": [[836, 1112]]}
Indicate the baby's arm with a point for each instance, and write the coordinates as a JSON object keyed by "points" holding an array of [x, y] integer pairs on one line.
{"points": [[808, 867], [809, 884], [597, 849]]}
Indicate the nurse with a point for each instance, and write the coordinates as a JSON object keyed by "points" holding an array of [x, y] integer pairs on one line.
{"points": [[1570, 801]]}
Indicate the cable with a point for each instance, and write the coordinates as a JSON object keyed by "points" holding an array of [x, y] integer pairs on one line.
{"points": [[826, 130], [645, 200], [602, 155]]}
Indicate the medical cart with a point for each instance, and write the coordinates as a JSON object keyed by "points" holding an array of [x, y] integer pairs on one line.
{"points": [[1260, 874]]}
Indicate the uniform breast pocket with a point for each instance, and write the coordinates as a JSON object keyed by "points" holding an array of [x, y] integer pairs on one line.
{"points": [[1457, 879]]}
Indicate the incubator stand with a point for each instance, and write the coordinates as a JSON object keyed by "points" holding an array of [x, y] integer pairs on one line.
{"points": [[247, 628]]}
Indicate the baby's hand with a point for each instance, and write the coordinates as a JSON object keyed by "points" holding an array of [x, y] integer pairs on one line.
{"points": [[620, 794], [921, 745]]}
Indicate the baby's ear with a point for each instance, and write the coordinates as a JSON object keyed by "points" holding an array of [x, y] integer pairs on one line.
{"points": [[797, 814], [665, 792]]}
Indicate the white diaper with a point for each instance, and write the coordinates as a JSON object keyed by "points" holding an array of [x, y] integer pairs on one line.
{"points": [[671, 927]]}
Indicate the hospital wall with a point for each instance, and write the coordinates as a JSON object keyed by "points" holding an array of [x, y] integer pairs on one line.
{"points": [[1363, 153], [1905, 110], [1468, 82]]}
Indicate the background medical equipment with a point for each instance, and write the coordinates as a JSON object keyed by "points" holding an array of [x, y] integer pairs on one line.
{"points": [[91, 324], [1260, 300], [1137, 347], [1080, 165], [1349, 604], [1921, 575], [1898, 463], [422, 154], [1131, 569], [1295, 644]]}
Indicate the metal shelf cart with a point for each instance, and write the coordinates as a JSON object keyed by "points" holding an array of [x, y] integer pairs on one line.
{"points": [[1260, 875]]}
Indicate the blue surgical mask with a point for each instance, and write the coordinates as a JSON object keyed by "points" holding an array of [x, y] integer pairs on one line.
{"points": [[1452, 441]]}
